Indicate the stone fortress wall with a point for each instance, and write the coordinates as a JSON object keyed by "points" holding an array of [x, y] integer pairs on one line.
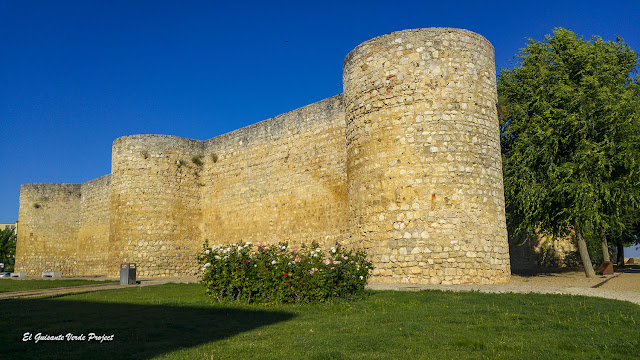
{"points": [[424, 156], [49, 218], [405, 164]]}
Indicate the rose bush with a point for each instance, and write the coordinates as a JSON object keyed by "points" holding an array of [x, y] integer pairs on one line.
{"points": [[280, 274]]}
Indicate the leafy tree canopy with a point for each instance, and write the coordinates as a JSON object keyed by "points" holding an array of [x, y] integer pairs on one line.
{"points": [[7, 248], [570, 119]]}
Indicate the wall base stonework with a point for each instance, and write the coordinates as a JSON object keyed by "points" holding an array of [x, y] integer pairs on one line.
{"points": [[404, 164]]}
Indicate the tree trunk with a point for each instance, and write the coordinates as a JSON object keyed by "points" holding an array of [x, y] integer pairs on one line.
{"points": [[584, 255], [620, 259], [605, 247]]}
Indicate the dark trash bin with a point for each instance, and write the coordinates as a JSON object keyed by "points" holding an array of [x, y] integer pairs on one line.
{"points": [[128, 274]]}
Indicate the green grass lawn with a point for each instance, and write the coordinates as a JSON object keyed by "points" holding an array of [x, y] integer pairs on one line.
{"points": [[8, 285], [178, 321]]}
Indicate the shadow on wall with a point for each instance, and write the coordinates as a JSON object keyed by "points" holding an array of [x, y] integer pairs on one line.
{"points": [[542, 254], [140, 331]]}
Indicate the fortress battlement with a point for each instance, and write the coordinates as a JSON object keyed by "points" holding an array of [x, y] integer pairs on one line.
{"points": [[405, 164]]}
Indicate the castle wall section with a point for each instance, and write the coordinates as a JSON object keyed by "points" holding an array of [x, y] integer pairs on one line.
{"points": [[405, 164], [282, 179], [155, 204], [49, 221], [93, 232], [423, 157]]}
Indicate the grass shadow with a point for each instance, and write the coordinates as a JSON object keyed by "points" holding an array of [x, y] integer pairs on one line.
{"points": [[140, 331]]}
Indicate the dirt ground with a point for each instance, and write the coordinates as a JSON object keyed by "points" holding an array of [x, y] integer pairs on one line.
{"points": [[624, 282], [627, 279], [622, 285]]}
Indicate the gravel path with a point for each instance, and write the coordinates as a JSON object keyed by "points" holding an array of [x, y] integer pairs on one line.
{"points": [[57, 291], [75, 289], [620, 286]]}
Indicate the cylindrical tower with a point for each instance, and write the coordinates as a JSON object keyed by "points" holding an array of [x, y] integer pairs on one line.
{"points": [[423, 157], [155, 204]]}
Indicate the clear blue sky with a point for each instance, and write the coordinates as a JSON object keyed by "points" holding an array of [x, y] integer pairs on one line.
{"points": [[75, 75]]}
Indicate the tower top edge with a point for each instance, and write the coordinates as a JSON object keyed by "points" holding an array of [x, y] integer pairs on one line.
{"points": [[399, 36]]}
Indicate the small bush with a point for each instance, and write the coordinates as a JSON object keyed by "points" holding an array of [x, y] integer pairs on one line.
{"points": [[197, 160], [279, 274]]}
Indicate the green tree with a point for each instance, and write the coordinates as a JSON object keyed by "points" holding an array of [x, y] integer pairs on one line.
{"points": [[629, 237], [8, 248], [569, 118]]}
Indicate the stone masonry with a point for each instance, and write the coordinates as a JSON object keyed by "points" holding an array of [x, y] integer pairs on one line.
{"points": [[405, 164]]}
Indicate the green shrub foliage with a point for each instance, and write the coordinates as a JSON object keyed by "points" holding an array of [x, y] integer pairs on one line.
{"points": [[8, 248], [280, 274]]}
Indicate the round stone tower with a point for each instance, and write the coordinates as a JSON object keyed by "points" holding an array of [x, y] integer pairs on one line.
{"points": [[155, 205], [423, 157]]}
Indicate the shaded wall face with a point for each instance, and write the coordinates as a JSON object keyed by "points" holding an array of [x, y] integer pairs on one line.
{"points": [[49, 221], [155, 204], [424, 165], [93, 233], [540, 253], [279, 180]]}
